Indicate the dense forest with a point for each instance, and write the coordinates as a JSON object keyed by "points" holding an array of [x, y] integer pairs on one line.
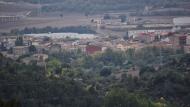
{"points": [[73, 79]]}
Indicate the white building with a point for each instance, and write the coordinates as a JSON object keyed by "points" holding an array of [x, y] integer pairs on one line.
{"points": [[181, 21], [63, 35], [135, 33]]}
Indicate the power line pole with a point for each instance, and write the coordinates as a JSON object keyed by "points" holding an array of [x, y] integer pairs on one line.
{"points": [[161, 56]]}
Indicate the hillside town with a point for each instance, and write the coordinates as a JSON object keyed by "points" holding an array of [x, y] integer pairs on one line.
{"points": [[94, 53], [175, 36]]}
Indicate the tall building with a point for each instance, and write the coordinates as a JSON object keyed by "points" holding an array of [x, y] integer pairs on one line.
{"points": [[20, 50]]}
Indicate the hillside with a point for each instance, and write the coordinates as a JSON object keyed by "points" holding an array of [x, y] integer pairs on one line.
{"points": [[79, 83], [98, 5]]}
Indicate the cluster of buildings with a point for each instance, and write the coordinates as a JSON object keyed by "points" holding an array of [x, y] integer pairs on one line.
{"points": [[39, 46], [136, 40], [148, 31], [9, 19], [16, 47]]}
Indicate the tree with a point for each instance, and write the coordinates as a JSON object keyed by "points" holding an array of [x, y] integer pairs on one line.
{"points": [[121, 98], [10, 50], [105, 72], [130, 53], [146, 69], [26, 30], [92, 21], [107, 16], [126, 36], [2, 47], [2, 103], [32, 49], [46, 39], [61, 15], [11, 103], [87, 13], [54, 67], [19, 41], [123, 18], [15, 31], [116, 98]]}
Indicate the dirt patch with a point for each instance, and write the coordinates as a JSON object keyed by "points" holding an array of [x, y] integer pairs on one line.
{"points": [[39, 22]]}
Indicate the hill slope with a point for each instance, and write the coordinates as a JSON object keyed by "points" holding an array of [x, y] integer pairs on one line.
{"points": [[98, 5]]}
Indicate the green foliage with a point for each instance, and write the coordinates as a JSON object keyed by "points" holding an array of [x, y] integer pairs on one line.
{"points": [[106, 71], [103, 5], [53, 67], [14, 31], [123, 18], [11, 103], [126, 36], [110, 56], [121, 98], [10, 50], [32, 49], [147, 70], [19, 41], [153, 55], [171, 85], [29, 84], [130, 54], [107, 16], [48, 29], [73, 79], [92, 6]]}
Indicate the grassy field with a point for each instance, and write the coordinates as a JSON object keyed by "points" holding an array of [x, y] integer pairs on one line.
{"points": [[39, 22], [51, 19]]}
